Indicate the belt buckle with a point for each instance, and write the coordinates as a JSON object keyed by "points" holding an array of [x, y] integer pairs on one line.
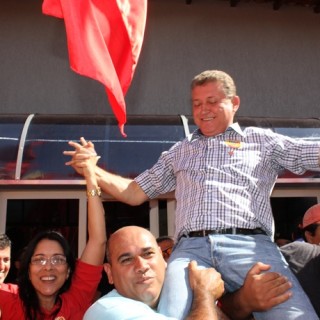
{"points": [[233, 230]]}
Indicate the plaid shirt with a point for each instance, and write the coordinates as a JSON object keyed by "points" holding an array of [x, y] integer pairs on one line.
{"points": [[226, 181]]}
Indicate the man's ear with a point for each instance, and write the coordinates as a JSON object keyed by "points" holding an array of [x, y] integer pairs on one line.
{"points": [[236, 103], [309, 236], [108, 271]]}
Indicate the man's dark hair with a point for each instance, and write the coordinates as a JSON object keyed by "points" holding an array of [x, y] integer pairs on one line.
{"points": [[311, 228], [5, 242]]}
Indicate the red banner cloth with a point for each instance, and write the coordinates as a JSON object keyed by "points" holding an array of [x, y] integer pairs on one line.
{"points": [[104, 42]]}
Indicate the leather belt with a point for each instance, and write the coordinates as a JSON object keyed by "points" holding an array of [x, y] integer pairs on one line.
{"points": [[204, 233]]}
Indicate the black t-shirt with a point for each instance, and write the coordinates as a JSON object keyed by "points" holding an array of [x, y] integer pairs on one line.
{"points": [[304, 261]]}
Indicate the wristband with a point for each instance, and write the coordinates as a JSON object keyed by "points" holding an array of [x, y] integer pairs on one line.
{"points": [[94, 192]]}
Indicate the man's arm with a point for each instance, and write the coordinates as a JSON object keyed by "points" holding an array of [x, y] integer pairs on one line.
{"points": [[260, 292], [207, 287], [123, 189]]}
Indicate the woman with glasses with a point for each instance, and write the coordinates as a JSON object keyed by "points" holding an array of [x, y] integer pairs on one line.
{"points": [[52, 284]]}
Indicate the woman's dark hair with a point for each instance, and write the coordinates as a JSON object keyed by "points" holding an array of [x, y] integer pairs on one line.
{"points": [[27, 292]]}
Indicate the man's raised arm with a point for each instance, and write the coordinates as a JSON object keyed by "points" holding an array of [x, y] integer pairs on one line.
{"points": [[122, 189]]}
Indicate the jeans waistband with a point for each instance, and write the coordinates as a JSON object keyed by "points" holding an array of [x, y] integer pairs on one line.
{"points": [[204, 233]]}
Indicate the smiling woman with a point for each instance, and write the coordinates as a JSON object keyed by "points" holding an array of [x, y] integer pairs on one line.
{"points": [[52, 284], [45, 271]]}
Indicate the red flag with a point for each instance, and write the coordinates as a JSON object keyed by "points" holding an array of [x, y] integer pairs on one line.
{"points": [[104, 42]]}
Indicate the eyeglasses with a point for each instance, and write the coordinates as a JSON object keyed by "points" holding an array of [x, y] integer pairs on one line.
{"points": [[56, 260], [167, 252]]}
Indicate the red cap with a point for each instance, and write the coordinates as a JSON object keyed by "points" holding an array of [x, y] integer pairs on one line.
{"points": [[311, 216]]}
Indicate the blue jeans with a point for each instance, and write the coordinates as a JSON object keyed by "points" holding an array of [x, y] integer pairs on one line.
{"points": [[232, 256]]}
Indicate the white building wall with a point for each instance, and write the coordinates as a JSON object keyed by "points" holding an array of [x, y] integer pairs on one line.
{"points": [[273, 56]]}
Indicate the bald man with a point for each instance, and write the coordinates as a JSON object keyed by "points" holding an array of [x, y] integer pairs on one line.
{"points": [[137, 269]]}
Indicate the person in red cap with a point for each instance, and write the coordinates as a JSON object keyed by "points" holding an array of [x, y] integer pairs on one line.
{"points": [[310, 225], [303, 257]]}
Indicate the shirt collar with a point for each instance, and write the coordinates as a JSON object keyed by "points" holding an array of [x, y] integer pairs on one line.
{"points": [[234, 127]]}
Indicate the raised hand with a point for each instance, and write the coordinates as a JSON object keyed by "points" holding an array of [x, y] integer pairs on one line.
{"points": [[80, 154]]}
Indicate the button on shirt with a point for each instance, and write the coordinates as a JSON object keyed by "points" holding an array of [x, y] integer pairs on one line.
{"points": [[225, 181]]}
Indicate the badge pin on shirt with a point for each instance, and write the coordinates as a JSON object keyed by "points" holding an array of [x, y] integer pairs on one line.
{"points": [[232, 144]]}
